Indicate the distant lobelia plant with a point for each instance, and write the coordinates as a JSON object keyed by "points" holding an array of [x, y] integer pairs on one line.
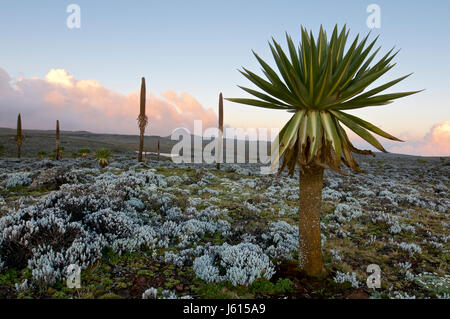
{"points": [[103, 156], [219, 144], [158, 148], [57, 152], [19, 136], [319, 81], [84, 152], [142, 120], [41, 154]]}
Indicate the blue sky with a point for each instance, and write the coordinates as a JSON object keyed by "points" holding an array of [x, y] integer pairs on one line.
{"points": [[197, 46]]}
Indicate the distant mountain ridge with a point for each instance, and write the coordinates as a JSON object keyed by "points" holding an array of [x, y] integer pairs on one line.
{"points": [[72, 141]]}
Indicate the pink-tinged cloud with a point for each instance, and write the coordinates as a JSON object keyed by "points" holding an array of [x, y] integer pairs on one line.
{"points": [[435, 143], [87, 105]]}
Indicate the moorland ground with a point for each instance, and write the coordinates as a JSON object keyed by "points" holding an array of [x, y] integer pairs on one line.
{"points": [[165, 230]]}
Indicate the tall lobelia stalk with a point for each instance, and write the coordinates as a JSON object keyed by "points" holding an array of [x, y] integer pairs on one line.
{"points": [[158, 150], [19, 136], [142, 120], [220, 137], [57, 156], [317, 83]]}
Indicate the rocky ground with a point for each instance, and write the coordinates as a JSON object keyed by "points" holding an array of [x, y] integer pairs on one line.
{"points": [[161, 230]]}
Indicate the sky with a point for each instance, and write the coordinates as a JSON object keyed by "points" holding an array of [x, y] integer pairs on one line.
{"points": [[189, 51]]}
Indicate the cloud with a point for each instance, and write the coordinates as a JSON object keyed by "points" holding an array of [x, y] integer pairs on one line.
{"points": [[87, 105], [435, 143], [60, 76]]}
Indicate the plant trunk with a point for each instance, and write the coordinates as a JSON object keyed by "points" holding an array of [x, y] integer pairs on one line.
{"points": [[310, 252], [158, 148], [57, 140], [141, 146], [219, 144], [19, 137]]}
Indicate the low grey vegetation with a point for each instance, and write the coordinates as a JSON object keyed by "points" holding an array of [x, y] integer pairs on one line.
{"points": [[219, 230]]}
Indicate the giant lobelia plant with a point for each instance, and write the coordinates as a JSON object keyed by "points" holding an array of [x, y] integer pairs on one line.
{"points": [[318, 82], [142, 120], [19, 137], [58, 149]]}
